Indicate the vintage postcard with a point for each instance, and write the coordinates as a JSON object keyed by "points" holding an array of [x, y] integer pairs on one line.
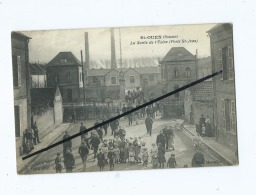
{"points": [[67, 81]]}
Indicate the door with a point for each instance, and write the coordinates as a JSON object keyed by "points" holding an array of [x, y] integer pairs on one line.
{"points": [[17, 120], [69, 95]]}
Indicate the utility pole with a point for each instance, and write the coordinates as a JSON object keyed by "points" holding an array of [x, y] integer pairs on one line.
{"points": [[83, 76]]}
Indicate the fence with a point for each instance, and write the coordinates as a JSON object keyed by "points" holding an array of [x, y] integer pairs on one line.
{"points": [[90, 111]]}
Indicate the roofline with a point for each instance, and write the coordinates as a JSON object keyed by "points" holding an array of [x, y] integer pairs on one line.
{"points": [[19, 35]]}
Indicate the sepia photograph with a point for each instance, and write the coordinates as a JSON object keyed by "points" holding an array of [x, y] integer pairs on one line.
{"points": [[68, 81]]}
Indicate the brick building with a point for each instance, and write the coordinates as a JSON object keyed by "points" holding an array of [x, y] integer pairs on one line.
{"points": [[221, 40], [21, 82], [106, 82], [65, 70], [178, 68]]}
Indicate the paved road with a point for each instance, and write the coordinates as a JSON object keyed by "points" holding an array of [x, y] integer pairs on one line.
{"points": [[184, 150]]}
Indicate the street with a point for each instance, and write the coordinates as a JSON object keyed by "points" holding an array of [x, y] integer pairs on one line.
{"points": [[184, 149]]}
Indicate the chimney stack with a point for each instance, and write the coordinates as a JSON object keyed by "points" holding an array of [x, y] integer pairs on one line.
{"points": [[87, 58], [113, 50]]}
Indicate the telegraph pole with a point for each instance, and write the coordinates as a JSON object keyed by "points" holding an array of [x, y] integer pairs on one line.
{"points": [[83, 76]]}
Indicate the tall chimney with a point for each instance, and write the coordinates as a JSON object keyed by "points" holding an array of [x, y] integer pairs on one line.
{"points": [[87, 57], [113, 50]]}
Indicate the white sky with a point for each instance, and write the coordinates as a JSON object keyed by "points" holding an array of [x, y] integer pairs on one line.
{"points": [[45, 45]]}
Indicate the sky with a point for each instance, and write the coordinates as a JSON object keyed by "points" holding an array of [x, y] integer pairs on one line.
{"points": [[46, 44]]}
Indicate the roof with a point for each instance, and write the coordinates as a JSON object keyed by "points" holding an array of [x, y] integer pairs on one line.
{"points": [[97, 72], [220, 27], [203, 91], [178, 54], [141, 70], [19, 35], [37, 69], [148, 70], [42, 96], [64, 59]]}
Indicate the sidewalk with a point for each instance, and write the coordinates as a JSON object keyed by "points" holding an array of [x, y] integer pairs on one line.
{"points": [[45, 142], [223, 151]]}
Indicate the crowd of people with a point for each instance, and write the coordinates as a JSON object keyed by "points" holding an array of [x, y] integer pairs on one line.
{"points": [[203, 127], [119, 149], [30, 138]]}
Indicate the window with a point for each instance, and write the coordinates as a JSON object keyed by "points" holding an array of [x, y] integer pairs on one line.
{"points": [[63, 61], [151, 77], [179, 56], [69, 77], [223, 61], [230, 62], [132, 79], [16, 65], [113, 80], [94, 79], [226, 114], [233, 116], [176, 94], [175, 72], [188, 73]]}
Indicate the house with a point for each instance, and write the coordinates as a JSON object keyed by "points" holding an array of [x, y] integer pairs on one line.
{"points": [[65, 70], [105, 83], [178, 68], [221, 41], [38, 76], [21, 82], [132, 79]]}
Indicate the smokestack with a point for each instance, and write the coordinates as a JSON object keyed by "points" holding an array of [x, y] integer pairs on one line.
{"points": [[87, 58], [113, 50]]}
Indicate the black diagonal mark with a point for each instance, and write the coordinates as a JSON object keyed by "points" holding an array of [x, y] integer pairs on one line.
{"points": [[124, 114]]}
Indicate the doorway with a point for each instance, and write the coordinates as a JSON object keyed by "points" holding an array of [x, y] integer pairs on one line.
{"points": [[17, 120]]}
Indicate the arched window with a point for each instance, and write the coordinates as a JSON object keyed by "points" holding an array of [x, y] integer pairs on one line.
{"points": [[188, 72], [175, 88], [176, 72]]}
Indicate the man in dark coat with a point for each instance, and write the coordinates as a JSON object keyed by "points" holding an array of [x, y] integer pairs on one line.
{"points": [[105, 127], [69, 161], [160, 139], [36, 134], [111, 157], [149, 124], [166, 133], [114, 125], [95, 141], [82, 129], [100, 133], [66, 144], [83, 151], [198, 160]]}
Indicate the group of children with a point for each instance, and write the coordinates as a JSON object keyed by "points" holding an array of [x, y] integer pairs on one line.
{"points": [[132, 150]]}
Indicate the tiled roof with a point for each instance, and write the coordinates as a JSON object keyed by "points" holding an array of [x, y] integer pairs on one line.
{"points": [[178, 54], [64, 58], [97, 72], [203, 91], [141, 70], [148, 70], [36, 69], [220, 27]]}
